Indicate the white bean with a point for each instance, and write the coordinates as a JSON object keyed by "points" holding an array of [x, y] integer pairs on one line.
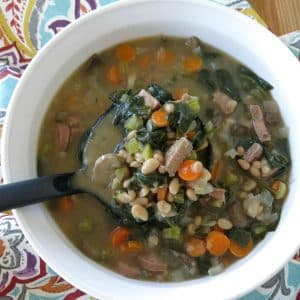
{"points": [[163, 207], [124, 198], [224, 224], [158, 156], [131, 135], [244, 164], [197, 167], [169, 107], [141, 201], [149, 166], [191, 194], [144, 191], [174, 186], [139, 212]]}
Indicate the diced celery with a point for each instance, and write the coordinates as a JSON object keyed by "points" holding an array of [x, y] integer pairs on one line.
{"points": [[85, 225], [179, 197], [203, 188], [259, 230], [116, 184], [231, 178], [122, 173], [217, 203], [133, 123], [172, 233], [132, 146], [147, 151], [194, 104], [193, 155]]}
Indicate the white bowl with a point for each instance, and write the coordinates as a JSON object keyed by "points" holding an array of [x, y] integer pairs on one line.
{"points": [[223, 28]]}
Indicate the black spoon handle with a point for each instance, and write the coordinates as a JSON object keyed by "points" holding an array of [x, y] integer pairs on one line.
{"points": [[36, 190]]}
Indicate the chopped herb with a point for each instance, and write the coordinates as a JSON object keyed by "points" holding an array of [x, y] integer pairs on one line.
{"points": [[172, 233], [203, 263]]}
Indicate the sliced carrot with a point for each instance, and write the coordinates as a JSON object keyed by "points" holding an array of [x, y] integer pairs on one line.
{"points": [[215, 170], [187, 171], [165, 56], [125, 52], [66, 204], [119, 236], [145, 61], [179, 92], [131, 247], [114, 75], [191, 134], [217, 243], [162, 193], [239, 251], [195, 247], [160, 118], [192, 63]]}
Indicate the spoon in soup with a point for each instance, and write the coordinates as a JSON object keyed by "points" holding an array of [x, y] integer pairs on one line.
{"points": [[98, 163]]}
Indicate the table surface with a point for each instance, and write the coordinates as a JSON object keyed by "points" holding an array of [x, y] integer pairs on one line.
{"points": [[25, 27], [282, 16]]}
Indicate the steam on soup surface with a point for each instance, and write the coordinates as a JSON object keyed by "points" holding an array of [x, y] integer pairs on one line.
{"points": [[204, 170]]}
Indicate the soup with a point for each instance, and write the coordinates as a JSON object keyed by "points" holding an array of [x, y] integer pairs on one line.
{"points": [[201, 174]]}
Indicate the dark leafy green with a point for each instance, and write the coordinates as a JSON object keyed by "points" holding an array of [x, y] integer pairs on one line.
{"points": [[205, 77], [159, 93], [250, 74], [276, 159], [227, 85], [155, 137], [240, 236], [150, 180], [203, 263], [200, 133], [182, 117], [128, 104]]}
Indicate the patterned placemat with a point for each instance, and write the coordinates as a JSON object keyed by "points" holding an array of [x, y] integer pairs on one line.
{"points": [[25, 27]]}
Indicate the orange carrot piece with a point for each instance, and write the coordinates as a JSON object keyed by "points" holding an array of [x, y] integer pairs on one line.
{"points": [[239, 251], [145, 61], [119, 236], [217, 243], [114, 75], [195, 247], [192, 63], [215, 170], [66, 204], [178, 92], [131, 247], [160, 118], [162, 193], [126, 52], [165, 56], [187, 172]]}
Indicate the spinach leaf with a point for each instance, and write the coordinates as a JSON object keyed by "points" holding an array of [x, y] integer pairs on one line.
{"points": [[276, 159], [159, 93], [156, 137], [200, 133], [203, 263], [150, 180], [240, 236], [116, 96], [128, 105], [227, 85], [182, 117], [205, 77], [250, 74]]}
